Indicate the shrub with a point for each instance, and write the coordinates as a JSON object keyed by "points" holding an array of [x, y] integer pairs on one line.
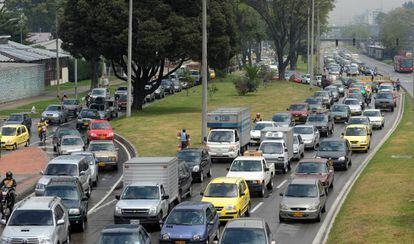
{"points": [[241, 85]]}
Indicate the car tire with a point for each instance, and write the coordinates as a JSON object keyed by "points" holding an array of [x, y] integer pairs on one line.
{"points": [[270, 184], [27, 143], [209, 172], [201, 179], [247, 213], [14, 147], [346, 166], [89, 193], [281, 219], [323, 209], [263, 191], [318, 219], [332, 184], [82, 226]]}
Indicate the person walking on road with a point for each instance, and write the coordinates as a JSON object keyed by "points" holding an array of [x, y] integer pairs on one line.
{"points": [[184, 139]]}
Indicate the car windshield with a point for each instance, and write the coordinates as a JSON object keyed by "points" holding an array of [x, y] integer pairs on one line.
{"points": [[243, 236], [140, 192], [221, 136], [303, 130], [261, 126], [281, 118], [122, 88], [297, 107], [358, 121], [351, 102], [313, 101], [372, 113], [8, 131], [386, 87], [100, 126], [337, 108], [406, 63], [15, 117], [93, 147], [66, 132], [271, 148], [185, 217], [70, 102], [384, 96], [310, 168], [31, 218], [332, 146], [189, 156], [246, 166], [62, 169], [54, 108], [98, 92], [71, 141], [221, 190], [295, 140], [166, 82], [317, 118], [64, 192], [99, 107], [122, 98], [120, 238], [301, 190], [354, 131], [92, 114], [320, 94]]}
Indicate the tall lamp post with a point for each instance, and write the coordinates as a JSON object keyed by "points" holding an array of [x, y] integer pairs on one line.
{"points": [[57, 55], [204, 74], [312, 43], [128, 109]]}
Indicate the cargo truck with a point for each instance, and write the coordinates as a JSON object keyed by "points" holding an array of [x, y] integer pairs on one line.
{"points": [[229, 132]]}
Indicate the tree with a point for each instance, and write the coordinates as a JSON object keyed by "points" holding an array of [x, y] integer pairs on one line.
{"points": [[356, 30], [12, 24]]}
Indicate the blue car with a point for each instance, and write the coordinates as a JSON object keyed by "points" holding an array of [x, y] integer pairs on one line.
{"points": [[195, 222]]}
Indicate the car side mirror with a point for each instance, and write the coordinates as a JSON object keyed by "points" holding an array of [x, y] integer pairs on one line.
{"points": [[3, 222], [267, 169], [215, 242], [117, 197], [84, 198], [273, 242], [242, 194], [161, 223], [322, 194], [41, 172], [211, 222], [201, 193], [286, 149], [166, 197], [228, 169], [382, 114], [60, 222], [82, 173]]}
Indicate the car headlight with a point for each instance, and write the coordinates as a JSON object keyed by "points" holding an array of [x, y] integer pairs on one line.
{"points": [[153, 211], [314, 207], [231, 208], [165, 236], [40, 186], [93, 134], [74, 211], [341, 158], [113, 159], [118, 210], [196, 168], [196, 237], [283, 207], [363, 142], [6, 240], [233, 148], [318, 157], [45, 240], [8, 141], [111, 134]]}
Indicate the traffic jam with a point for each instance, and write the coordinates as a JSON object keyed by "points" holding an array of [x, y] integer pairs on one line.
{"points": [[158, 200]]}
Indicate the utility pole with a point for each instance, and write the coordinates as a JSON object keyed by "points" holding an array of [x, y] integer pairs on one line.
{"points": [[128, 109], [57, 55], [308, 44], [76, 78], [312, 43], [204, 75], [318, 46]]}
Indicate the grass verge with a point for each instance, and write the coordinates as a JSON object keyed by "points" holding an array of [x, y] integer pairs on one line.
{"points": [[380, 207], [153, 130]]}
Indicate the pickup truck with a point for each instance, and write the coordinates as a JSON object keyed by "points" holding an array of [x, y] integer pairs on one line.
{"points": [[257, 173]]}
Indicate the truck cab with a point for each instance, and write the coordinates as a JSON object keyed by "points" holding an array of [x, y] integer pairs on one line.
{"points": [[223, 143], [144, 203], [276, 152], [255, 170]]}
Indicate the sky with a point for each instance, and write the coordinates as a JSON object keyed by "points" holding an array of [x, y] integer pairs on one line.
{"points": [[346, 10]]}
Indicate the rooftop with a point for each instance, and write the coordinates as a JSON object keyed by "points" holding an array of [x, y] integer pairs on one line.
{"points": [[39, 203], [6, 66], [246, 223]]}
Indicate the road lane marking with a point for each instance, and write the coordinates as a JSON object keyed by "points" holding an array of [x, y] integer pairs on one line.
{"points": [[102, 206], [281, 184], [92, 210], [256, 207]]}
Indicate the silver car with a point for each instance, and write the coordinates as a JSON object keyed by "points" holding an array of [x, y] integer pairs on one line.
{"points": [[298, 147], [73, 106], [37, 220], [310, 135], [55, 113], [71, 143], [93, 165], [304, 198]]}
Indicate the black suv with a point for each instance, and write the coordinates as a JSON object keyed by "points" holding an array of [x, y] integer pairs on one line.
{"points": [[69, 189], [124, 233], [19, 119], [322, 121], [337, 150], [198, 162]]}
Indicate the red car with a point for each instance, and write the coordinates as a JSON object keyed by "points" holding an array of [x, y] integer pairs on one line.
{"points": [[100, 130], [295, 78], [299, 111], [319, 168]]}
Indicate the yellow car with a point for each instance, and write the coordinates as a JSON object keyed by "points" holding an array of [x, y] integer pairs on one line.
{"points": [[230, 196], [358, 137], [13, 136]]}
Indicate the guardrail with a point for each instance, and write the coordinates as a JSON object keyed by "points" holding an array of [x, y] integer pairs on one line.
{"points": [[129, 146]]}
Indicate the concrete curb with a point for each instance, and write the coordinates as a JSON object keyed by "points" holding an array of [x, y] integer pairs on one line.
{"points": [[323, 232]]}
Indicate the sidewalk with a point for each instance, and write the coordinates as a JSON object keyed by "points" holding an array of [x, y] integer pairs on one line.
{"points": [[26, 164]]}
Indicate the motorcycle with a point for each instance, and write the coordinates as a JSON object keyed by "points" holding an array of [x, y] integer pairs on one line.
{"points": [[42, 134], [6, 202]]}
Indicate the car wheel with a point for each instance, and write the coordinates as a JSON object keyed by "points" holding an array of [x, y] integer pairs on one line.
{"points": [[270, 184], [247, 213], [324, 209], [281, 219], [89, 193], [332, 184], [27, 143], [263, 191], [318, 219], [346, 166], [201, 177], [14, 147], [82, 226]]}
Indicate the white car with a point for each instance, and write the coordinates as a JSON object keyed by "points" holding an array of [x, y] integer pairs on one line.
{"points": [[256, 133], [298, 147], [309, 134], [354, 105], [306, 79], [93, 165], [376, 118], [386, 87]]}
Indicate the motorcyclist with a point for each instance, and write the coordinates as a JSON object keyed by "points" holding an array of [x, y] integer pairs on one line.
{"points": [[257, 118], [41, 126], [10, 183], [398, 84]]}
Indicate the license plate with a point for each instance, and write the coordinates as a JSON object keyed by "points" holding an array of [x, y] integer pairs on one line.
{"points": [[85, 123], [179, 242], [297, 214], [134, 221], [102, 137], [101, 164], [338, 117]]}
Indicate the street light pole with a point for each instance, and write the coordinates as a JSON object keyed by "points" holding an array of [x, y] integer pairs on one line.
{"points": [[318, 45], [312, 43], [57, 56], [76, 78], [128, 109], [204, 74], [308, 44]]}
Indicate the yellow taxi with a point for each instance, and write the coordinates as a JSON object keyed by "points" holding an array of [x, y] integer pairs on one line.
{"points": [[13, 136], [358, 137], [230, 196]]}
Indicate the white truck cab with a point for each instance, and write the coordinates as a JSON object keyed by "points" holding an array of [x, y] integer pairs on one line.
{"points": [[277, 148], [255, 170], [223, 143]]}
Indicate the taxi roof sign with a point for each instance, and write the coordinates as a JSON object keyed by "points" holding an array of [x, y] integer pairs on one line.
{"points": [[274, 135], [257, 153]]}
